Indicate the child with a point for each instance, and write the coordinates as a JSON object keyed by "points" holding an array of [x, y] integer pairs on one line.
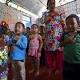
{"points": [[3, 58], [35, 47], [71, 43], [18, 52]]}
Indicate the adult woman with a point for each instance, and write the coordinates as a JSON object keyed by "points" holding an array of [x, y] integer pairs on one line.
{"points": [[53, 33]]}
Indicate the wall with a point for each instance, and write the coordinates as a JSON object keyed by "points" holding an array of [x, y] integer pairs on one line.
{"points": [[70, 8], [10, 15]]}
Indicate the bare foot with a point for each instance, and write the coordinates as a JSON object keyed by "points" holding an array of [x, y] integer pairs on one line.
{"points": [[49, 72], [37, 73], [31, 71]]}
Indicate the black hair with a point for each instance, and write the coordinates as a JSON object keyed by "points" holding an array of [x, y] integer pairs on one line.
{"points": [[28, 28], [34, 25], [21, 24], [73, 16], [48, 2], [42, 26]]}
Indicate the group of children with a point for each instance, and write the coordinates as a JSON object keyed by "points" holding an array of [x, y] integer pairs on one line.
{"points": [[70, 43], [17, 49]]}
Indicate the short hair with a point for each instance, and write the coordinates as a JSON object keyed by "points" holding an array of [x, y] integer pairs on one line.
{"points": [[34, 25], [42, 26], [73, 16], [21, 24], [28, 28]]}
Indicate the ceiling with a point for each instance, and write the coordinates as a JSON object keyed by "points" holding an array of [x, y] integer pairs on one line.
{"points": [[37, 6], [34, 6]]}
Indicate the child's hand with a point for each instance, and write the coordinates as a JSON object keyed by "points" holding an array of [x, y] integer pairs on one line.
{"points": [[70, 39], [39, 55], [72, 34], [16, 38]]}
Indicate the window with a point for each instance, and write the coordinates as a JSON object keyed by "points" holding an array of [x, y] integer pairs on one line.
{"points": [[26, 21]]}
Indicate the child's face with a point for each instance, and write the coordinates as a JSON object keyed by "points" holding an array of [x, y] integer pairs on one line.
{"points": [[28, 30], [19, 29], [71, 25], [1, 38], [41, 29], [34, 29]]}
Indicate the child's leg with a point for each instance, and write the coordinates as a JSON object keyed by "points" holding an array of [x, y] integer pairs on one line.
{"points": [[22, 70], [19, 70], [42, 58], [37, 65], [32, 60], [16, 70]]}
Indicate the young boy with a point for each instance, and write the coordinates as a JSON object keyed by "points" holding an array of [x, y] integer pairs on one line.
{"points": [[18, 52], [71, 43]]}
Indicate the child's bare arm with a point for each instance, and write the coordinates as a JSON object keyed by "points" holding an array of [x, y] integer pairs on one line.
{"points": [[69, 40], [6, 47], [40, 44]]}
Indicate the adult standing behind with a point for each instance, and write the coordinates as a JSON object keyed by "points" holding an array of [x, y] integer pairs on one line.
{"points": [[53, 33]]}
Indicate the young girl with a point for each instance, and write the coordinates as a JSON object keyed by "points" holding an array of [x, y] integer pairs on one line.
{"points": [[35, 47], [18, 52]]}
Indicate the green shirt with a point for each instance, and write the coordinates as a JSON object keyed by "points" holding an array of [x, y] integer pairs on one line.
{"points": [[72, 51]]}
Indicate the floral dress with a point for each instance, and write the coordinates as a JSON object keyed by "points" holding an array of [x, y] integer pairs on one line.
{"points": [[53, 31]]}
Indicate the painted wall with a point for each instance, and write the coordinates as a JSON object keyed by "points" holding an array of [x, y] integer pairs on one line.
{"points": [[70, 8], [10, 15]]}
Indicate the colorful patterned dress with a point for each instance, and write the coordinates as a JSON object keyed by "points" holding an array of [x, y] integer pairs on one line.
{"points": [[53, 32]]}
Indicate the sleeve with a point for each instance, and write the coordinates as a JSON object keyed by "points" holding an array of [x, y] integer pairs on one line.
{"points": [[22, 43]]}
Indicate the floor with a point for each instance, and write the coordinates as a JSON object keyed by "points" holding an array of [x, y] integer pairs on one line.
{"points": [[43, 73]]}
